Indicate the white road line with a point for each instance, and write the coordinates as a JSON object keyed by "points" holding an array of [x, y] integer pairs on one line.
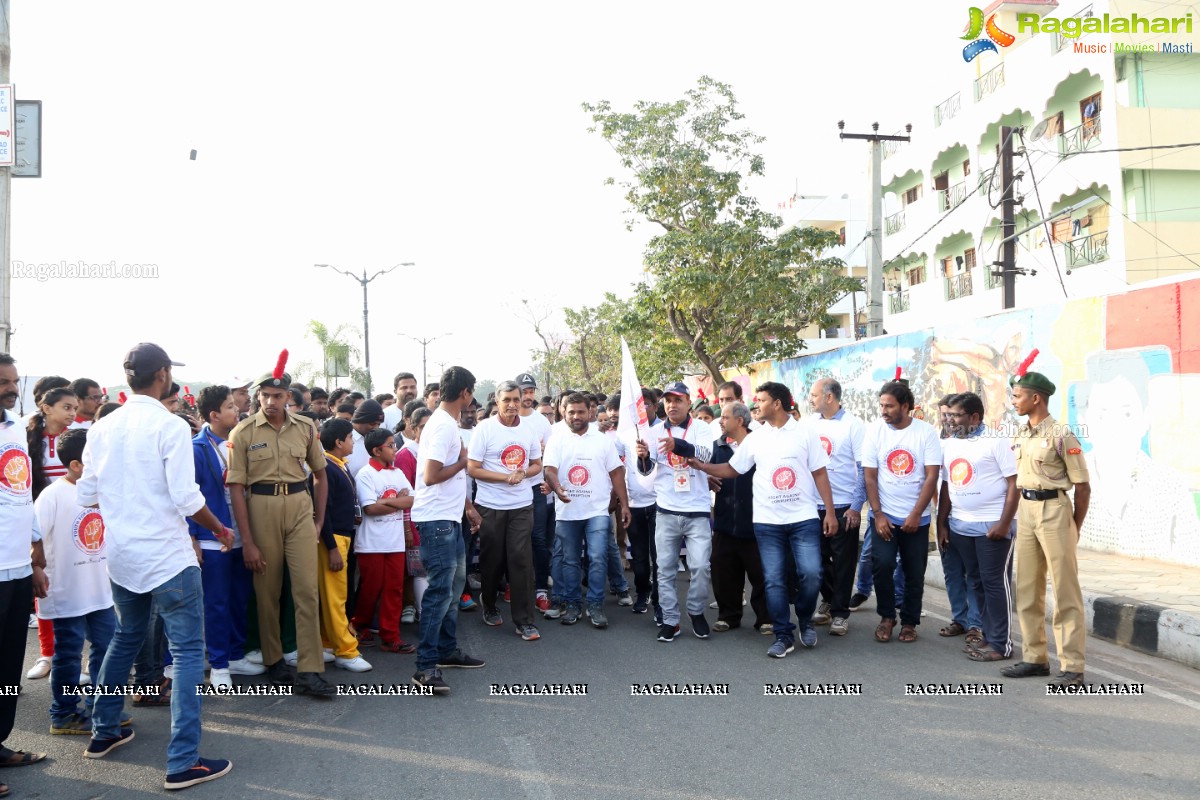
{"points": [[524, 759]]}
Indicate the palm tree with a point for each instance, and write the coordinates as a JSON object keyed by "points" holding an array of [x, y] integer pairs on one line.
{"points": [[333, 345]]}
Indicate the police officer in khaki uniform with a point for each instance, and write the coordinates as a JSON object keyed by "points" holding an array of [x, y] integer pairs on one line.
{"points": [[275, 514], [1049, 462]]}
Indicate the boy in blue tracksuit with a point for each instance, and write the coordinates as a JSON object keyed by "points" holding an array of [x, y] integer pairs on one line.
{"points": [[227, 583]]}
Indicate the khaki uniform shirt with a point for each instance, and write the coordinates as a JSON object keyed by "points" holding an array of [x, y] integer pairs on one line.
{"points": [[260, 454], [1048, 457]]}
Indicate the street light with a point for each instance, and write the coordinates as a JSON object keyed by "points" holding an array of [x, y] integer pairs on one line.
{"points": [[425, 343], [364, 280]]}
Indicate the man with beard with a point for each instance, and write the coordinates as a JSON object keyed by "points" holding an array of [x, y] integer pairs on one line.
{"points": [[405, 386], [319, 403]]}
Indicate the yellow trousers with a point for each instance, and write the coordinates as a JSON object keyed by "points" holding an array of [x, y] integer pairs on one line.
{"points": [[1046, 542], [335, 628]]}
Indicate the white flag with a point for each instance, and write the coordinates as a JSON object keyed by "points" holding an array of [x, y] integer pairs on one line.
{"points": [[634, 421]]}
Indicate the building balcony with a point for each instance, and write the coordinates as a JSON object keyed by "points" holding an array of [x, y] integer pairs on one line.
{"points": [[1080, 138], [1091, 249], [951, 197], [989, 82], [958, 286], [893, 224], [899, 302], [947, 109]]}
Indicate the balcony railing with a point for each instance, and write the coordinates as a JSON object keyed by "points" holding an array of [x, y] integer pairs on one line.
{"points": [[985, 176], [899, 302], [1060, 41], [947, 109], [894, 223], [958, 286], [989, 82], [890, 146], [1085, 250], [952, 196], [1079, 139]]}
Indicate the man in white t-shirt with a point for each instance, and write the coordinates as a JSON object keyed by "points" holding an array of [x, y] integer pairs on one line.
{"points": [[405, 386], [902, 456], [583, 470], [977, 518], [542, 502], [503, 455], [790, 479], [438, 507]]}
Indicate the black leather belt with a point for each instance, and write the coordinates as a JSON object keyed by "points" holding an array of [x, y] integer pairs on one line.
{"points": [[278, 488], [1040, 494]]}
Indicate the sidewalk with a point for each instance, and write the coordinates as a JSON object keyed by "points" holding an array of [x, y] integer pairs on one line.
{"points": [[1146, 605]]}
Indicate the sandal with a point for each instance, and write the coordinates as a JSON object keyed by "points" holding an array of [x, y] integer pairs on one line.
{"points": [[18, 758], [953, 629], [987, 655], [908, 634], [160, 698], [398, 647], [974, 636], [883, 631]]}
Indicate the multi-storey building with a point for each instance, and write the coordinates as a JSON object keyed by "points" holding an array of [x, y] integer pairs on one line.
{"points": [[846, 217]]}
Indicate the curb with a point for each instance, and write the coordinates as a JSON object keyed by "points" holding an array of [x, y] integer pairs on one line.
{"points": [[1145, 627]]}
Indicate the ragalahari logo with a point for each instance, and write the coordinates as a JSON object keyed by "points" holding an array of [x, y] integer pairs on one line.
{"points": [[995, 36]]}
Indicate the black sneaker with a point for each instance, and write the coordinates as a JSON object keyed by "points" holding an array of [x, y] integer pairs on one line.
{"points": [[667, 633], [857, 600], [1068, 679], [1023, 669], [459, 660], [281, 674], [206, 769], [433, 679], [313, 683], [596, 612], [99, 748], [570, 615], [699, 626], [641, 605]]}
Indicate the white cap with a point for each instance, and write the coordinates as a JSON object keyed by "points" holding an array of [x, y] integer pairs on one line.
{"points": [[237, 383]]}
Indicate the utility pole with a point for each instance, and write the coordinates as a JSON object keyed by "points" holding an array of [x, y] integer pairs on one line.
{"points": [[424, 344], [5, 201], [1008, 242], [875, 222], [364, 280]]}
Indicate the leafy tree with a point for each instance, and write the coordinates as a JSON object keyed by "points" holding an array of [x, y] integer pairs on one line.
{"points": [[721, 278], [330, 342]]}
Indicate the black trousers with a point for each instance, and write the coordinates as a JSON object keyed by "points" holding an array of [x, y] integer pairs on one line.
{"points": [[734, 559], [645, 556], [505, 547], [914, 554], [16, 604], [839, 558]]}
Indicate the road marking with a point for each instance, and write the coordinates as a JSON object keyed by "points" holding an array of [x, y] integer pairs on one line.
{"points": [[525, 759]]}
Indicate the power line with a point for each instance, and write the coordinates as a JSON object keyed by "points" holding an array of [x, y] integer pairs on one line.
{"points": [[1041, 210], [1176, 146]]}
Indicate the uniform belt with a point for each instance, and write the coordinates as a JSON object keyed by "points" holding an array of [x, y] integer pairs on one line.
{"points": [[278, 488], [1040, 494]]}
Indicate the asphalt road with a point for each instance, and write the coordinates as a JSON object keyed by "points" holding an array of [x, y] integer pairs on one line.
{"points": [[609, 744]]}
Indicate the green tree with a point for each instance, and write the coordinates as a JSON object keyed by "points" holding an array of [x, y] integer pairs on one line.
{"points": [[721, 278], [331, 342]]}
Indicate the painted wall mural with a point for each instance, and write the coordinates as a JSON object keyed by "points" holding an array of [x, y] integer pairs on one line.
{"points": [[1127, 368]]}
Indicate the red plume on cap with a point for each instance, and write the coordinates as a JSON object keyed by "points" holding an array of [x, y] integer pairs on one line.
{"points": [[186, 390], [121, 398], [700, 393], [280, 364], [898, 373], [104, 391], [1024, 367]]}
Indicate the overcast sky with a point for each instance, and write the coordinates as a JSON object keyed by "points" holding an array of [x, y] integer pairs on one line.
{"points": [[371, 133]]}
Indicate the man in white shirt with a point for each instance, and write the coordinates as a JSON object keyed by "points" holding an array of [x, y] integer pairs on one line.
{"points": [[504, 453], [902, 456], [405, 385], [542, 503], [977, 519], [790, 478], [140, 473], [643, 514]]}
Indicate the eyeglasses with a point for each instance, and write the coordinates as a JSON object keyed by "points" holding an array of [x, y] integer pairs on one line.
{"points": [[95, 397]]}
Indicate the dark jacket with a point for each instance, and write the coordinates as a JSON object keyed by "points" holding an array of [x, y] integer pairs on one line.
{"points": [[733, 511], [341, 504], [210, 476]]}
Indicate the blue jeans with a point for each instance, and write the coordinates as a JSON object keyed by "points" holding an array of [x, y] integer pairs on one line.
{"points": [[569, 538], [803, 541], [227, 588], [180, 603], [866, 569], [672, 531], [964, 608], [616, 576], [69, 632], [444, 555], [539, 540]]}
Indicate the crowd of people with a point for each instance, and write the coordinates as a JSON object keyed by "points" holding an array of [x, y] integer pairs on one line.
{"points": [[268, 529]]}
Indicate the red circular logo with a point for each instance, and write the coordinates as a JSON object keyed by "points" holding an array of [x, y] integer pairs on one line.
{"points": [[14, 470], [578, 475], [961, 472], [88, 532], [389, 493], [901, 463], [676, 461], [513, 457], [828, 445], [784, 478]]}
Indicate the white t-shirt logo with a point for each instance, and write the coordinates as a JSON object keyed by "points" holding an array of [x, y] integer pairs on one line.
{"points": [[784, 478], [828, 445], [900, 462], [578, 475], [14, 470], [389, 493], [676, 461], [513, 457], [961, 473], [88, 532]]}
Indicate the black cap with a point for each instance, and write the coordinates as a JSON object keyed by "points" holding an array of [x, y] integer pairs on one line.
{"points": [[368, 411], [526, 381], [147, 358]]}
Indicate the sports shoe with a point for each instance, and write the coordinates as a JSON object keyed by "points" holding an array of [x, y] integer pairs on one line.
{"points": [[839, 626], [244, 666], [667, 632], [699, 626], [254, 657], [624, 598], [220, 677], [596, 612], [782, 646], [206, 769], [33, 621], [40, 669], [431, 678], [292, 658], [99, 748], [555, 611], [281, 673], [314, 683], [767, 629], [528, 632], [720, 626], [822, 616], [1067, 679], [460, 660], [808, 636], [408, 616], [542, 602], [356, 664], [570, 615], [467, 603], [492, 617], [399, 646], [365, 638], [641, 605], [857, 600], [473, 581], [76, 724], [328, 655]]}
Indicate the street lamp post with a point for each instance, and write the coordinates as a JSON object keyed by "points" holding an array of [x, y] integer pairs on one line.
{"points": [[424, 344], [364, 280]]}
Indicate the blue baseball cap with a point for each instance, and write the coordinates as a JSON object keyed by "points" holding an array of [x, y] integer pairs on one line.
{"points": [[679, 388]]}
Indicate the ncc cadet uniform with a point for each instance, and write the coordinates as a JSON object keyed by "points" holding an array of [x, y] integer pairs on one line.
{"points": [[1049, 462], [270, 464]]}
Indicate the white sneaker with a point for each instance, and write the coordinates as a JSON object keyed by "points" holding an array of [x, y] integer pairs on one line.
{"points": [[33, 621], [40, 669], [291, 658], [327, 654], [356, 664], [220, 677], [244, 666], [169, 672], [84, 678], [409, 615], [254, 657]]}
